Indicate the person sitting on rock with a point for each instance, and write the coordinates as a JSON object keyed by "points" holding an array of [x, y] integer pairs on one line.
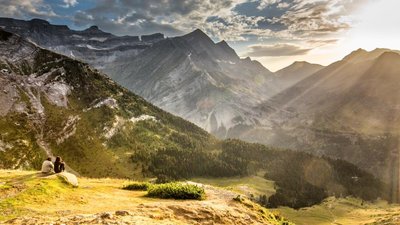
{"points": [[47, 166], [59, 165]]}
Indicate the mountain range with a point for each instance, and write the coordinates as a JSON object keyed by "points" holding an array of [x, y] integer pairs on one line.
{"points": [[347, 110], [54, 105], [333, 110], [91, 45], [190, 76]]}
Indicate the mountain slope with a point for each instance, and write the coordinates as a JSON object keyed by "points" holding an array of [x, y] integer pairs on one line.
{"points": [[92, 45], [62, 106], [294, 73], [189, 76], [348, 110], [218, 87], [193, 77]]}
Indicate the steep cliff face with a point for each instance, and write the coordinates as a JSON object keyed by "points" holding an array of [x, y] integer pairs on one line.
{"points": [[92, 45]]}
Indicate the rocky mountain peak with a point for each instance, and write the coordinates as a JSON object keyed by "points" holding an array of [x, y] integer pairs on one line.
{"points": [[93, 28], [227, 49], [39, 21], [223, 44], [197, 36], [355, 54], [198, 32], [389, 55], [360, 55], [300, 63]]}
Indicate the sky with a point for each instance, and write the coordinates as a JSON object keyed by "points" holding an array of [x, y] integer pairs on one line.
{"points": [[274, 32]]}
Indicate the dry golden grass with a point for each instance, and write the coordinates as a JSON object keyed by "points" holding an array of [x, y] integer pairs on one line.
{"points": [[26, 197]]}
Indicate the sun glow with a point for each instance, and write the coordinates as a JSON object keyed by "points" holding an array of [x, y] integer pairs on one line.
{"points": [[374, 25], [377, 26]]}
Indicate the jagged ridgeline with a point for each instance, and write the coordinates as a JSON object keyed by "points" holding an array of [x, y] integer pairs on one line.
{"points": [[51, 104]]}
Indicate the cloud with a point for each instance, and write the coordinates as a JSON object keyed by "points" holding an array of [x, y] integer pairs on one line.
{"points": [[276, 50], [136, 17], [69, 3], [265, 3], [323, 41], [283, 5], [232, 20], [308, 18], [25, 9]]}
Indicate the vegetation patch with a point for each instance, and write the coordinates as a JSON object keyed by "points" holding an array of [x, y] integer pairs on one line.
{"points": [[271, 217], [24, 192], [137, 186], [176, 191]]}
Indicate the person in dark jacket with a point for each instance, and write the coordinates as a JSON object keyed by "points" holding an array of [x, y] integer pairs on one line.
{"points": [[59, 165]]}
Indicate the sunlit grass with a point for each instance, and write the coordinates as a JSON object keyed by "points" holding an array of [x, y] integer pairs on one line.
{"points": [[255, 185], [349, 211]]}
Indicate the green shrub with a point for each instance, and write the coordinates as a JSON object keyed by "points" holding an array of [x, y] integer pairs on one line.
{"points": [[176, 191], [137, 186]]}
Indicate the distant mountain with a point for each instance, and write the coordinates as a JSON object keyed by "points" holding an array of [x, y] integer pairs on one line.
{"points": [[348, 110], [294, 73], [202, 81], [92, 45]]}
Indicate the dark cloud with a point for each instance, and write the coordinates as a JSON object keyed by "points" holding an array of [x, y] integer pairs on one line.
{"points": [[140, 16], [276, 50]]}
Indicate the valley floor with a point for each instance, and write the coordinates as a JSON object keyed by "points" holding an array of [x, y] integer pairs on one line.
{"points": [[344, 211]]}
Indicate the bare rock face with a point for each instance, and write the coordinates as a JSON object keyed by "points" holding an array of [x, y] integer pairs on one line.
{"points": [[202, 81], [91, 45], [152, 37]]}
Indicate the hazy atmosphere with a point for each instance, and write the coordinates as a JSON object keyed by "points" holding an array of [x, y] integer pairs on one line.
{"points": [[276, 112]]}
